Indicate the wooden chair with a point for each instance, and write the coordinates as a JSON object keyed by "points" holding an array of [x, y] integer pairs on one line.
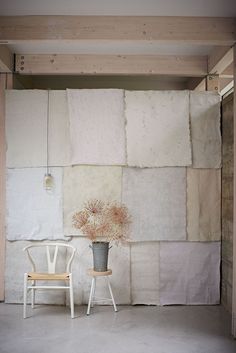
{"points": [[31, 278]]}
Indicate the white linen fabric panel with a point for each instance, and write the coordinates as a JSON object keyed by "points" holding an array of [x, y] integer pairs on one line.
{"points": [[17, 263], [32, 212], [203, 204], [205, 129], [83, 183], [158, 132], [145, 273], [189, 273], [156, 198], [97, 126], [26, 128], [179, 207], [58, 129], [118, 261]]}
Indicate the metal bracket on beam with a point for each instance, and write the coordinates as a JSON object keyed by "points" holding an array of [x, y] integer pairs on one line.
{"points": [[213, 83]]}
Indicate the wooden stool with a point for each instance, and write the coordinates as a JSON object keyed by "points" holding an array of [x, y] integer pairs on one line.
{"points": [[92, 298]]}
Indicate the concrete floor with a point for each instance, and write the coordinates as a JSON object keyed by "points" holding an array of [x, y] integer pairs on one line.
{"points": [[134, 329]]}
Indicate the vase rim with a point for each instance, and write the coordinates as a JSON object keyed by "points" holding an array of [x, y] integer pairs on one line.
{"points": [[99, 241]]}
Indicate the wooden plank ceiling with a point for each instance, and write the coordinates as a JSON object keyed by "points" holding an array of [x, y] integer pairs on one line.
{"points": [[214, 31]]}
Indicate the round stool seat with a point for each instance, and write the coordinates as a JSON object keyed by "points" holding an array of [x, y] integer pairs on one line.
{"points": [[93, 273]]}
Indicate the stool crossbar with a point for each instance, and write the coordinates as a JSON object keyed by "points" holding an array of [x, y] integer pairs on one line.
{"points": [[92, 298]]}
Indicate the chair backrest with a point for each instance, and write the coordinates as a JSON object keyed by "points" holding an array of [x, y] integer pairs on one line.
{"points": [[51, 250]]}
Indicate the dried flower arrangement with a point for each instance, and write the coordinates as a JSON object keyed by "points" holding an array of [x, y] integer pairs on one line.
{"points": [[100, 221]]}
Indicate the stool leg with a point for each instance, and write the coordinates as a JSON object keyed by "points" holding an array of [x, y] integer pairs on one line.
{"points": [[112, 297], [94, 290], [90, 295]]}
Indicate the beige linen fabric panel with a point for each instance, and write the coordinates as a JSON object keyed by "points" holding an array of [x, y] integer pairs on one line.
{"points": [[205, 129], [83, 183], [203, 204]]}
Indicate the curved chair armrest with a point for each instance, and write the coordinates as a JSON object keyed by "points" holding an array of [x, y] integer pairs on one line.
{"points": [[29, 257]]}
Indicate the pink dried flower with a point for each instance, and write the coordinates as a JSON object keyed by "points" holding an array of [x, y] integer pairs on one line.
{"points": [[104, 228], [90, 231], [80, 219], [119, 236], [109, 221], [94, 207], [118, 215]]}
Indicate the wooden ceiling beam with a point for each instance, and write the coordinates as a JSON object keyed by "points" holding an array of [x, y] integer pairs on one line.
{"points": [[73, 64], [219, 60], [6, 59], [224, 82], [196, 84], [228, 72], [196, 30]]}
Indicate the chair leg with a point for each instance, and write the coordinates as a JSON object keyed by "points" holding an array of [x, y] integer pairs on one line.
{"points": [[25, 295], [32, 295], [91, 295], [112, 297], [94, 290], [71, 297]]}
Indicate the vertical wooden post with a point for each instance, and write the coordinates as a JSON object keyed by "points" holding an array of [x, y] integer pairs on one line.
{"points": [[212, 83], [9, 81], [234, 212], [5, 82]]}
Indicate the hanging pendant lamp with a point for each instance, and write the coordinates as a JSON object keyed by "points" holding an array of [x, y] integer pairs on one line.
{"points": [[48, 178]]}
